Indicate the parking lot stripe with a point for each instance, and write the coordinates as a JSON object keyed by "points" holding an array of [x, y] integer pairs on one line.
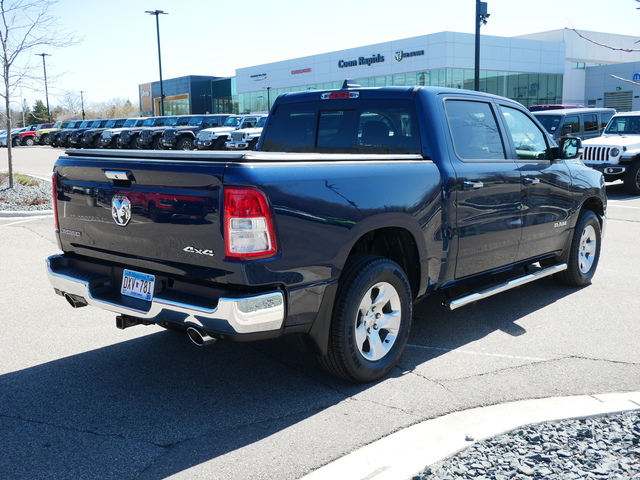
{"points": [[467, 352]]}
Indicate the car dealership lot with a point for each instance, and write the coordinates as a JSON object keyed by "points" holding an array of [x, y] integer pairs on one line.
{"points": [[82, 399]]}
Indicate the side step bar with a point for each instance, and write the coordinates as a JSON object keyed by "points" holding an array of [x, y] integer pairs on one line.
{"points": [[501, 287]]}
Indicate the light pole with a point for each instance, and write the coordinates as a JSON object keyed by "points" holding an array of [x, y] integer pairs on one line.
{"points": [[82, 102], [481, 19], [157, 13], [46, 91]]}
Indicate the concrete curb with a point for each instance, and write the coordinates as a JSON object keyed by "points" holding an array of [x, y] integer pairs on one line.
{"points": [[25, 213], [405, 453]]}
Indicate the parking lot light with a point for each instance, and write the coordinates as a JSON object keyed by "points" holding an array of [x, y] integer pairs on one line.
{"points": [[157, 13]]}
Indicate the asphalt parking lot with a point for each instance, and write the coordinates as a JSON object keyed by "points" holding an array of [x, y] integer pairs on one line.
{"points": [[82, 399]]}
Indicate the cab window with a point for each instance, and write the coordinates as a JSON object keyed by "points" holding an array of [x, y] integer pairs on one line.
{"points": [[574, 121], [474, 131], [590, 122], [529, 141]]}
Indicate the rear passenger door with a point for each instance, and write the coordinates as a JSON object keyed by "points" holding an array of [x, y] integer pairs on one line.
{"points": [[488, 188], [546, 202]]}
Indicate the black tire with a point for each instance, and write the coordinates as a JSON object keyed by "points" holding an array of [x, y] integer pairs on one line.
{"points": [[29, 142], [584, 253], [632, 179], [185, 143], [253, 144], [43, 139], [218, 143], [365, 344]]}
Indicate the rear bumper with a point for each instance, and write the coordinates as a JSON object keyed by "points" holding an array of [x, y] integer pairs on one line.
{"points": [[85, 283]]}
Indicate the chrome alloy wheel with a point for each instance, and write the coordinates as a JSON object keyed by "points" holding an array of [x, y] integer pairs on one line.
{"points": [[587, 249], [378, 321]]}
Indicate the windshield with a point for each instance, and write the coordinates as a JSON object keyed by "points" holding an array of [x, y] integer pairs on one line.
{"points": [[233, 122], [627, 124], [262, 122], [131, 122], [549, 122], [111, 123], [195, 121]]}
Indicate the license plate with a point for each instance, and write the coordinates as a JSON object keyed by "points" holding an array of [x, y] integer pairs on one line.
{"points": [[137, 285]]}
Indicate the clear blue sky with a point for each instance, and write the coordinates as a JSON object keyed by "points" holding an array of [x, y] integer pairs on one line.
{"points": [[211, 37]]}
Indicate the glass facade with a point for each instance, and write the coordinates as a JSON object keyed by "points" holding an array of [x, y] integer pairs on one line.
{"points": [[526, 88]]}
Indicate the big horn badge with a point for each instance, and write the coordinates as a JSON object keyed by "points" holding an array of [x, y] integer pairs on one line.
{"points": [[121, 210]]}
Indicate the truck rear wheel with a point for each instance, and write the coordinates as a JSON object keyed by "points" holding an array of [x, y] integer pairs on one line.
{"points": [[585, 251], [632, 179], [371, 320]]}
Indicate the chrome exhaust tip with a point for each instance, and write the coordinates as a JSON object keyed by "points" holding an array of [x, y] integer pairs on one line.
{"points": [[201, 339], [75, 301]]}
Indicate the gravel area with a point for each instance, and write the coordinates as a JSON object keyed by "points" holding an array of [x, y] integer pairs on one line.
{"points": [[24, 198], [606, 447]]}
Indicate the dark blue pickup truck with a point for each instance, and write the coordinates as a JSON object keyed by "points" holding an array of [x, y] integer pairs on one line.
{"points": [[357, 203]]}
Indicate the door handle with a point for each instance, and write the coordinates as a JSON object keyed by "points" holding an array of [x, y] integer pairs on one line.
{"points": [[472, 185], [531, 181]]}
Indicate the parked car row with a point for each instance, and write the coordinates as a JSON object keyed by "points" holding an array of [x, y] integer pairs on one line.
{"points": [[180, 132], [24, 136]]}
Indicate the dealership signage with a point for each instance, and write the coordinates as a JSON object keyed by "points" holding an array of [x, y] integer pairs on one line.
{"points": [[368, 61], [300, 70], [259, 76], [402, 54]]}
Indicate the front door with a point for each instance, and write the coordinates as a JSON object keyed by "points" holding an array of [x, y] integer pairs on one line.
{"points": [[546, 201]]}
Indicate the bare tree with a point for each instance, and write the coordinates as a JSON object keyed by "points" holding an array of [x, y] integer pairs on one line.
{"points": [[24, 25]]}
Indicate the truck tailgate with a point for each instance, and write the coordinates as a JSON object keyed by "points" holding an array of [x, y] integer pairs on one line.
{"points": [[163, 209]]}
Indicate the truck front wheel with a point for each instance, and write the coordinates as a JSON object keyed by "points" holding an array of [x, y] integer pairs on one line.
{"points": [[371, 320], [632, 179], [585, 251]]}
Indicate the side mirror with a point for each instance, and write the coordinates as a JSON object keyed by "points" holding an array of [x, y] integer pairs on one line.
{"points": [[570, 147]]}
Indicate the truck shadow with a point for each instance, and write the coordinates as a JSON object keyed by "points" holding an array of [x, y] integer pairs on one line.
{"points": [[155, 406]]}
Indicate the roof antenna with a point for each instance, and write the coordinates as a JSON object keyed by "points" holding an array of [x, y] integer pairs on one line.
{"points": [[350, 83]]}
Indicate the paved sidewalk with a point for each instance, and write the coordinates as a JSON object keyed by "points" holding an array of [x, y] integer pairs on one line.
{"points": [[405, 453]]}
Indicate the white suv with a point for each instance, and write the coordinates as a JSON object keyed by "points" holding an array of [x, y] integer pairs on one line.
{"points": [[246, 138], [215, 138]]}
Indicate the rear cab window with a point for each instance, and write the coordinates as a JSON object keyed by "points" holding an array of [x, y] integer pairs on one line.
{"points": [[344, 126]]}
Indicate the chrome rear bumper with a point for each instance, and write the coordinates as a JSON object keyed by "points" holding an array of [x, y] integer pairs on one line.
{"points": [[228, 314]]}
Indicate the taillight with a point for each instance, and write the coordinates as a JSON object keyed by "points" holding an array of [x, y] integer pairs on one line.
{"points": [[54, 201], [249, 227]]}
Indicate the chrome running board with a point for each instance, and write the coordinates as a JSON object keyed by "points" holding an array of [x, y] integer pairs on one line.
{"points": [[501, 287]]}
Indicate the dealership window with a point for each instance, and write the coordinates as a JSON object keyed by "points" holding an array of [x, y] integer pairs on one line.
{"points": [[528, 89]]}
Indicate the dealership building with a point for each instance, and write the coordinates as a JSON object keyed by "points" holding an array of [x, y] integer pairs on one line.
{"points": [[559, 66]]}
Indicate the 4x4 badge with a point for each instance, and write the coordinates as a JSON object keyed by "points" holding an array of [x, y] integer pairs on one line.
{"points": [[121, 210]]}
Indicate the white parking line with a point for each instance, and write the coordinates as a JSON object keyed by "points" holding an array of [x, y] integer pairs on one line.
{"points": [[613, 203], [30, 219], [467, 352]]}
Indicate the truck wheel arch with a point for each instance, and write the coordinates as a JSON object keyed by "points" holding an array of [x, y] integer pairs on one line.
{"points": [[397, 244], [400, 244]]}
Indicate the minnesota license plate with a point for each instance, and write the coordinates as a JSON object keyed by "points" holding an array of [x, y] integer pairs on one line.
{"points": [[137, 285]]}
